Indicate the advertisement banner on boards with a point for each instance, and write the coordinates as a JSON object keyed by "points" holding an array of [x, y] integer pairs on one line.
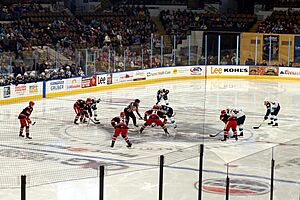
{"points": [[289, 72], [73, 83], [33, 88], [55, 86], [263, 70], [159, 73], [89, 82], [123, 77], [6, 92], [227, 70], [20, 90], [139, 75], [102, 79]]}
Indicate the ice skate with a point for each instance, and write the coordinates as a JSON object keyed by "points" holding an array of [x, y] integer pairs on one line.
{"points": [[225, 138], [129, 144]]}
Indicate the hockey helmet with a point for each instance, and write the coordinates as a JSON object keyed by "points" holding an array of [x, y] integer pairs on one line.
{"points": [[88, 100], [223, 112], [155, 107], [122, 114], [266, 101], [31, 103], [137, 101]]}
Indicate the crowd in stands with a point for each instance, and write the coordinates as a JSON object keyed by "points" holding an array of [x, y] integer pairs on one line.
{"points": [[287, 3], [43, 71], [113, 31], [16, 11], [281, 22], [181, 22]]}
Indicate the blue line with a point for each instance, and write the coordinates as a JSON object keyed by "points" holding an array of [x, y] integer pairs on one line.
{"points": [[154, 165]]}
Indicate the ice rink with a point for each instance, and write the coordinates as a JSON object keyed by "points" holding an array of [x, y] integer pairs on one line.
{"points": [[62, 159]]}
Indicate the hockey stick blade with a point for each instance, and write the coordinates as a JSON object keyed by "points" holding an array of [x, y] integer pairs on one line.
{"points": [[214, 135], [95, 122], [257, 127]]}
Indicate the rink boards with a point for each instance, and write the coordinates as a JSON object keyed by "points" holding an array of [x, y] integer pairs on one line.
{"points": [[52, 88]]}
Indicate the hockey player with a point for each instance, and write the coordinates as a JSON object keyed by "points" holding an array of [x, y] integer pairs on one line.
{"points": [[169, 113], [92, 107], [81, 110], [240, 119], [230, 123], [154, 118], [120, 128], [133, 106], [25, 121], [273, 109], [162, 94]]}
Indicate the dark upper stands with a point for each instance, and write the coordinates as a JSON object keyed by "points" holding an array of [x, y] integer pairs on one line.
{"points": [[180, 22], [281, 22]]}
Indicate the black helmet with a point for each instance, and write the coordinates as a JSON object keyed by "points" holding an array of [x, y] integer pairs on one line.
{"points": [[137, 101]]}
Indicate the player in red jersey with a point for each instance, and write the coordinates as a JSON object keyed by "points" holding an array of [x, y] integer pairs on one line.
{"points": [[230, 123], [120, 128], [154, 118], [25, 121], [81, 110]]}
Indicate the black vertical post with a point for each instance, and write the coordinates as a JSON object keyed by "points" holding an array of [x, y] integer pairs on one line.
{"points": [[23, 187], [161, 176], [200, 171], [101, 182], [272, 179], [227, 187], [227, 184]]}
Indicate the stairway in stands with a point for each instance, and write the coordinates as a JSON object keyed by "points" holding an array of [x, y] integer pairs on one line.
{"points": [[161, 30], [254, 27]]}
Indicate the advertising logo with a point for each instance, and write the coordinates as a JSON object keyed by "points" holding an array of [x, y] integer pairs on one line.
{"points": [[6, 92], [20, 89], [260, 70], [196, 71], [101, 80], [57, 85], [73, 83], [88, 82], [236, 186], [290, 72], [175, 71], [235, 70], [33, 89], [216, 71]]}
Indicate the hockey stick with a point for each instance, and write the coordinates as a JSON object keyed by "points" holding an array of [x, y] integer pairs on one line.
{"points": [[257, 127], [33, 123], [90, 119], [214, 135]]}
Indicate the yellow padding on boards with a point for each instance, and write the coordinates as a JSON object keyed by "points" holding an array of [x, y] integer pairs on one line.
{"points": [[20, 99]]}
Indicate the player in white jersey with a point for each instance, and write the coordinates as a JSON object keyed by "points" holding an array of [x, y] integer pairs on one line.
{"points": [[162, 94], [169, 113], [240, 119], [273, 109]]}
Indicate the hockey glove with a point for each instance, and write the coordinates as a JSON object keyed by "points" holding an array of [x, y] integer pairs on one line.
{"points": [[266, 117]]}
